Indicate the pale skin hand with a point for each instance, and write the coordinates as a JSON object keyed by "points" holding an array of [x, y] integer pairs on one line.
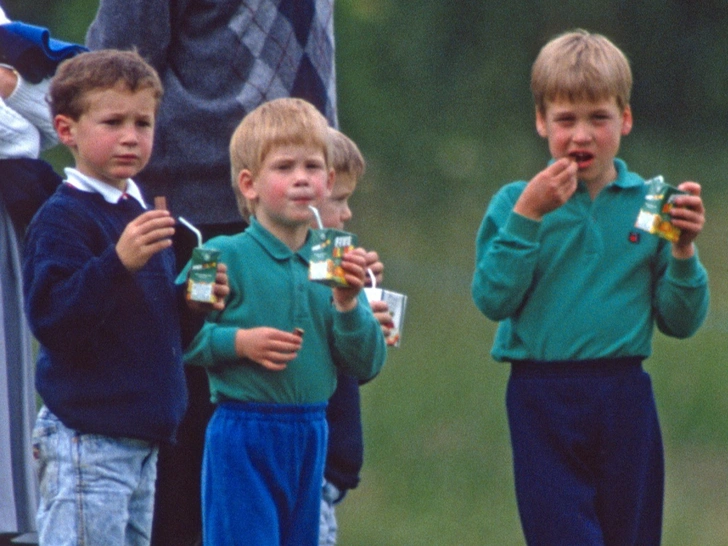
{"points": [[379, 308], [8, 82], [354, 264], [143, 237], [271, 348], [373, 263], [221, 289], [688, 214], [548, 190]]}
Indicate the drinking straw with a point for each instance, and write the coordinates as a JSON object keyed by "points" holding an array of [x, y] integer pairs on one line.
{"points": [[372, 277], [318, 216], [193, 229]]}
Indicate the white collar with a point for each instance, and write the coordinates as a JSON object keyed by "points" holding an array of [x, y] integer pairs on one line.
{"points": [[3, 18], [111, 194]]}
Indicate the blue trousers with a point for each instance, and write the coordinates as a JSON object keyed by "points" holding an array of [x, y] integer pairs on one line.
{"points": [[587, 453], [261, 474]]}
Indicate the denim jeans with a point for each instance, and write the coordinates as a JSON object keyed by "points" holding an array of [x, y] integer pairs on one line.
{"points": [[95, 490], [328, 528]]}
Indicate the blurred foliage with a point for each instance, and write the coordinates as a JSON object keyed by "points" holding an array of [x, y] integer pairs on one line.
{"points": [[425, 87]]}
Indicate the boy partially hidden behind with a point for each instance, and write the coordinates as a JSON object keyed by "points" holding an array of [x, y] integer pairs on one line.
{"points": [[272, 355], [577, 290], [345, 452], [100, 298]]}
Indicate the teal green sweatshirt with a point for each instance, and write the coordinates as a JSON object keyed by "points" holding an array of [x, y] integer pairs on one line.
{"points": [[584, 282], [269, 286]]}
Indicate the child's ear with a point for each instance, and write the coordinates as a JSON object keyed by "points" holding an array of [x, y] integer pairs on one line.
{"points": [[246, 186], [330, 182], [540, 123], [626, 121], [65, 129]]}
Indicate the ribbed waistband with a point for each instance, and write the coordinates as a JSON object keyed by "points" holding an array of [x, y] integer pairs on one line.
{"points": [[592, 366], [232, 408]]}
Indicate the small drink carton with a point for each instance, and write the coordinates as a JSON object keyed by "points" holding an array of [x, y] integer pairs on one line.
{"points": [[328, 250], [397, 304], [654, 216], [203, 270], [201, 277]]}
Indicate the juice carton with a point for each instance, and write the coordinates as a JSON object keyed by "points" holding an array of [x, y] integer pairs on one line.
{"points": [[327, 251], [654, 216], [203, 270], [397, 304]]}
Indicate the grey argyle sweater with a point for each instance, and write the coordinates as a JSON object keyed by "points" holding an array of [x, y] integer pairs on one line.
{"points": [[218, 61]]}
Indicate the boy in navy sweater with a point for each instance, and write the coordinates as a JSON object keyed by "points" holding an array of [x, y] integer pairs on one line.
{"points": [[100, 298]]}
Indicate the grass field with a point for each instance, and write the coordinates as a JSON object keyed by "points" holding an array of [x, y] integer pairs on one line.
{"points": [[438, 463]]}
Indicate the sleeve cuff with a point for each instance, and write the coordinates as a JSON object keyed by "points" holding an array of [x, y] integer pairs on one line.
{"points": [[351, 321], [223, 343], [521, 227], [685, 270]]}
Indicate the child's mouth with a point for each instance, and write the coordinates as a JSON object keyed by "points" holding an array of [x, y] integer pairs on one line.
{"points": [[582, 158]]}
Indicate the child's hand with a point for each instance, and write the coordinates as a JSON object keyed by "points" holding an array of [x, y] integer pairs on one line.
{"points": [[384, 317], [354, 264], [221, 289], [143, 237], [271, 348], [375, 265], [688, 214], [548, 190]]}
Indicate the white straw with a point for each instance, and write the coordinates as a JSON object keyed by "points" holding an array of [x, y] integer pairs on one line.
{"points": [[318, 216], [372, 277], [193, 229]]}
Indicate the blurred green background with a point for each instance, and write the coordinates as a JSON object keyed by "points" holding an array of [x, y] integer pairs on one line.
{"points": [[436, 95]]}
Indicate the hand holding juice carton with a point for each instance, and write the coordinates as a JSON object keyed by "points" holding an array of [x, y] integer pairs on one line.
{"points": [[654, 216], [203, 270], [397, 304], [329, 247]]}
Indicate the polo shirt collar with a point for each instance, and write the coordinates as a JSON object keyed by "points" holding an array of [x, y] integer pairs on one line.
{"points": [[273, 245]]}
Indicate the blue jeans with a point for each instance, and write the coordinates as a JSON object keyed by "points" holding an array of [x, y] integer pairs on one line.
{"points": [[328, 528], [95, 490]]}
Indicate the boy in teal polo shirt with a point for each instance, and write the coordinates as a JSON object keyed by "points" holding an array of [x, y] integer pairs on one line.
{"points": [[266, 443], [578, 290]]}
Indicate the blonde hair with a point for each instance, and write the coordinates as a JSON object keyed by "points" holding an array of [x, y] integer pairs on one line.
{"points": [[578, 65], [345, 155], [280, 122]]}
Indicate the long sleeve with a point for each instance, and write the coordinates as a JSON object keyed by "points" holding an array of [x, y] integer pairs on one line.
{"points": [[71, 290], [506, 256], [359, 342], [681, 297], [18, 137]]}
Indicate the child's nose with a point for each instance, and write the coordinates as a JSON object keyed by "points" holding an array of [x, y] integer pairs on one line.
{"points": [[302, 176], [581, 132], [130, 134]]}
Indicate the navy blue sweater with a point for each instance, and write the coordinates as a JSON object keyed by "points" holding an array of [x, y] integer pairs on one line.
{"points": [[110, 360]]}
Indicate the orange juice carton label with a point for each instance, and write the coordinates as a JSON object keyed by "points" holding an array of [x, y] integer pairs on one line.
{"points": [[327, 251], [201, 276], [654, 216], [397, 304]]}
